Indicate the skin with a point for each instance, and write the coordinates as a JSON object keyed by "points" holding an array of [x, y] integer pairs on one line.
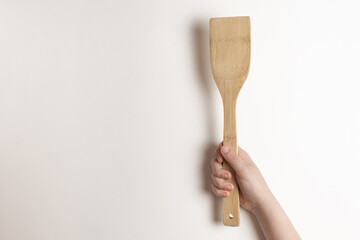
{"points": [[255, 195]]}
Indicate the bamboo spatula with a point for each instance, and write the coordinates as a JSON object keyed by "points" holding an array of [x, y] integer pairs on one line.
{"points": [[230, 60]]}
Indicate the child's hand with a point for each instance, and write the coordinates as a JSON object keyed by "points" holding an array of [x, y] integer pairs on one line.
{"points": [[255, 195], [253, 188]]}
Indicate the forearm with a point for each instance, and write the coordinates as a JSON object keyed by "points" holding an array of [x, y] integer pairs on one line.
{"points": [[274, 222]]}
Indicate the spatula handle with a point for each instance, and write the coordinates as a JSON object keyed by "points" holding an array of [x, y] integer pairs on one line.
{"points": [[231, 204]]}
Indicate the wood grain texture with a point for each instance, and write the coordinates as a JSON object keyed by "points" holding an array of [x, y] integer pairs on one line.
{"points": [[230, 47]]}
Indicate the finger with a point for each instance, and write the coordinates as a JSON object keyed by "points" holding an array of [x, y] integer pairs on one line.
{"points": [[218, 169], [219, 192], [218, 155], [233, 159], [220, 183], [219, 158], [218, 147]]}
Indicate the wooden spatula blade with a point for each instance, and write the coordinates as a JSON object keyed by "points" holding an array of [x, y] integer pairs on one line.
{"points": [[230, 47]]}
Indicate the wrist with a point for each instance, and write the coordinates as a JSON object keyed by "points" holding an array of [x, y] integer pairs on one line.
{"points": [[267, 202]]}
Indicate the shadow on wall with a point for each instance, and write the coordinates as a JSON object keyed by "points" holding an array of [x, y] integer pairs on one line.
{"points": [[200, 34]]}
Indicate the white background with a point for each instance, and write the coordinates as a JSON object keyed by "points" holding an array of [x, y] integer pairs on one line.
{"points": [[109, 116]]}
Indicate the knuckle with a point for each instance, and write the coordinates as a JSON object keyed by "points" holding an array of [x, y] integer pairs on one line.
{"points": [[216, 172], [212, 175], [213, 164], [214, 189], [214, 178], [218, 192], [222, 185], [219, 183]]}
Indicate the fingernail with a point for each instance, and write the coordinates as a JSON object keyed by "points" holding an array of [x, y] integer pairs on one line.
{"points": [[225, 149], [227, 175], [229, 187], [218, 159]]}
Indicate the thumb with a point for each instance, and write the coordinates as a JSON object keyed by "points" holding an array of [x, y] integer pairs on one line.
{"points": [[232, 158]]}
